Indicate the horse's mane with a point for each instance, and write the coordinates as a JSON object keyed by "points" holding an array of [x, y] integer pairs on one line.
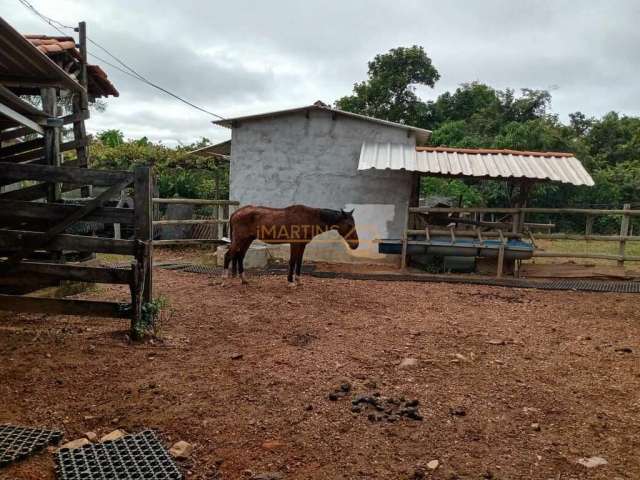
{"points": [[330, 217]]}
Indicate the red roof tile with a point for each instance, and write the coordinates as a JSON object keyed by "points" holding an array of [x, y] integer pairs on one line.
{"points": [[99, 83]]}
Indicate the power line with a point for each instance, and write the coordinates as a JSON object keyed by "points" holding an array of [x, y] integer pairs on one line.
{"points": [[129, 70]]}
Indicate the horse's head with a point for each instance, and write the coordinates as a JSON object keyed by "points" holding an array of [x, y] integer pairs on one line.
{"points": [[346, 227]]}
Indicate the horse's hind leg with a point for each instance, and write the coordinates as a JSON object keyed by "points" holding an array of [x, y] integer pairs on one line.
{"points": [[230, 257], [296, 256], [299, 257], [240, 256]]}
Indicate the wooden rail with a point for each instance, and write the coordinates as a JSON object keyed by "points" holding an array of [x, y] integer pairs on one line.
{"points": [[220, 219]]}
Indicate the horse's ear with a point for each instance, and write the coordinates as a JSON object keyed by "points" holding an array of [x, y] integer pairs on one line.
{"points": [[351, 212]]}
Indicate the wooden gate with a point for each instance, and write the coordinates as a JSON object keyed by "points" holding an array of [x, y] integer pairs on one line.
{"points": [[27, 227]]}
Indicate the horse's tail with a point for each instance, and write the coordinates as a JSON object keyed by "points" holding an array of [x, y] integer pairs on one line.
{"points": [[229, 239]]}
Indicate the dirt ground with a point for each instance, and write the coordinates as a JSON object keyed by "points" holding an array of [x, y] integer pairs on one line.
{"points": [[505, 358]]}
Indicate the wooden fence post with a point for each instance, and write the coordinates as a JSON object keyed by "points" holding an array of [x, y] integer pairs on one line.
{"points": [[144, 225], [624, 231], [405, 240]]}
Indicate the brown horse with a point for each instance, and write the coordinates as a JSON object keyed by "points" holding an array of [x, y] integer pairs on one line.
{"points": [[295, 225]]}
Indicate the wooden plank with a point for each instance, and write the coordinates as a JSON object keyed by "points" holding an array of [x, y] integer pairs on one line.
{"points": [[194, 201], [577, 211], [70, 220], [595, 256], [32, 192], [30, 155], [14, 133], [577, 236], [78, 176], [10, 238], [75, 117], [189, 241], [76, 273], [59, 306], [73, 145], [143, 190], [21, 147], [204, 221], [461, 210], [58, 211], [21, 119]]}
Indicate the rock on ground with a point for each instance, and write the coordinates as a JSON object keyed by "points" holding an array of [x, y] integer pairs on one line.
{"points": [[77, 443], [111, 436], [592, 462], [181, 450], [408, 362]]}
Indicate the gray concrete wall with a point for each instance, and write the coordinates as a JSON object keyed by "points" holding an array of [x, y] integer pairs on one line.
{"points": [[313, 161]]}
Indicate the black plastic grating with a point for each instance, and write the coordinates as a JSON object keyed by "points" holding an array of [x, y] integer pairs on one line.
{"points": [[17, 443], [591, 286], [140, 456]]}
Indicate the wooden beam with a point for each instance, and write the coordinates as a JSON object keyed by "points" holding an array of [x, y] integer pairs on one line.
{"points": [[14, 239], [188, 241], [73, 272], [10, 209], [21, 119], [21, 147], [206, 221], [58, 306], [194, 201], [78, 176], [14, 133], [33, 192]]}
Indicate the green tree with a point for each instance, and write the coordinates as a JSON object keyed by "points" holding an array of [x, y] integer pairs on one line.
{"points": [[111, 138], [389, 91]]}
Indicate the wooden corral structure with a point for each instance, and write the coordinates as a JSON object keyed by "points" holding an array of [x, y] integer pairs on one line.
{"points": [[38, 76], [28, 228]]}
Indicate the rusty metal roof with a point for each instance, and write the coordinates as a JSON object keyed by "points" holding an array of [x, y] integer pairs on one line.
{"points": [[422, 135], [99, 84], [482, 163]]}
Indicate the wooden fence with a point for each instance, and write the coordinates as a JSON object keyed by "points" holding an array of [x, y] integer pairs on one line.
{"points": [[211, 229], [517, 227], [30, 226]]}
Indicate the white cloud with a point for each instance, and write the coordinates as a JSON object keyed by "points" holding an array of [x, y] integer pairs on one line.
{"points": [[248, 56]]}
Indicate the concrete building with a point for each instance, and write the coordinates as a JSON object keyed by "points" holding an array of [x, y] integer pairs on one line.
{"points": [[310, 156]]}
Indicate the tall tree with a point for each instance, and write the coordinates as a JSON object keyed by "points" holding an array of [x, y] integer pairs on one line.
{"points": [[389, 91]]}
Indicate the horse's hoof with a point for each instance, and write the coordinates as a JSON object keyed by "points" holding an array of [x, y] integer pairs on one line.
{"points": [[245, 282], [291, 285]]}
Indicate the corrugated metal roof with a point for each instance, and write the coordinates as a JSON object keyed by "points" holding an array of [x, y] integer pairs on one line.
{"points": [[484, 163], [422, 135]]}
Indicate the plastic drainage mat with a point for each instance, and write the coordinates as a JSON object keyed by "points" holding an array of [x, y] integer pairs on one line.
{"points": [[17, 443], [140, 456], [592, 286]]}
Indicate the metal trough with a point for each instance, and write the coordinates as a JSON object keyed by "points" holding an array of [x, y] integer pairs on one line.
{"points": [[460, 247]]}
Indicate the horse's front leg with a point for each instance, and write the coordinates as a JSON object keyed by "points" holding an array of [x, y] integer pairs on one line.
{"points": [[293, 263], [298, 267]]}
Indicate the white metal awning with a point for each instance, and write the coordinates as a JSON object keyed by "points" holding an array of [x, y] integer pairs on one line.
{"points": [[483, 163]]}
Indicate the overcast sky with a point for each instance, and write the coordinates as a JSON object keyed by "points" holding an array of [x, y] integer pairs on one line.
{"points": [[245, 56]]}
